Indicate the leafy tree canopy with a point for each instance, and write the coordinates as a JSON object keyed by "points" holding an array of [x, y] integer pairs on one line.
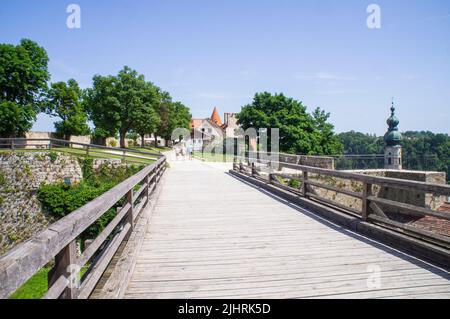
{"points": [[64, 101], [356, 143], [173, 115], [115, 103], [147, 119], [23, 80], [300, 132]]}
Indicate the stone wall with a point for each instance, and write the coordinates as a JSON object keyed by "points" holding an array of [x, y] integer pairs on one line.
{"points": [[110, 163], [38, 144], [314, 161], [80, 139], [21, 174]]}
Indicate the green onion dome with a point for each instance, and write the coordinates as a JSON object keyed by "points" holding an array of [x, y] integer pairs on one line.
{"points": [[393, 137]]}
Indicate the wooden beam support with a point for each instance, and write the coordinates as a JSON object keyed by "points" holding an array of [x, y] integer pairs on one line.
{"points": [[305, 184], [65, 265], [129, 216], [367, 191]]}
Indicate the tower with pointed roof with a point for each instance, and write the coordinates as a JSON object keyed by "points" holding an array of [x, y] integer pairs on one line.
{"points": [[215, 117], [393, 138]]}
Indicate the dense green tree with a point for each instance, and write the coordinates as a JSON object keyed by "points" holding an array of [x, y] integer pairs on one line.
{"points": [[115, 103], [326, 141], [426, 151], [64, 101], [174, 115], [182, 115], [300, 132], [356, 143], [147, 121], [23, 80], [167, 122]]}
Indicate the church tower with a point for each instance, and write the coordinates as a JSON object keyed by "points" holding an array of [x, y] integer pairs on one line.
{"points": [[393, 150], [215, 117]]}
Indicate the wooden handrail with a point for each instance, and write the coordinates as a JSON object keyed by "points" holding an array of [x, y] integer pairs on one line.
{"points": [[23, 261], [53, 140], [377, 180]]}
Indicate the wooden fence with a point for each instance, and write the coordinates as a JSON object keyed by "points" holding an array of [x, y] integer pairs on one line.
{"points": [[58, 241], [374, 209], [128, 155]]}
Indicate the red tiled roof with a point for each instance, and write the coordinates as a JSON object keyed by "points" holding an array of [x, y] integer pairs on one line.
{"points": [[434, 224], [215, 117], [445, 208], [196, 123]]}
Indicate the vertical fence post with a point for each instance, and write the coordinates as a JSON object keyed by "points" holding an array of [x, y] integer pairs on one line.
{"points": [[305, 184], [147, 188], [129, 216], [87, 150], [254, 173], [49, 144], [270, 172], [367, 191], [12, 145], [64, 265]]}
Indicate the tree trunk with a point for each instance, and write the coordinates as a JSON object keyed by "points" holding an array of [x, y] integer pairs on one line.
{"points": [[122, 140], [142, 140], [156, 140]]}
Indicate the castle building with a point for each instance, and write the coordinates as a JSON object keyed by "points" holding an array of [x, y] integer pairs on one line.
{"points": [[206, 131], [393, 138]]}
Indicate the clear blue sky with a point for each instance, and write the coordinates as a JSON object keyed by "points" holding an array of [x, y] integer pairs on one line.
{"points": [[220, 52]]}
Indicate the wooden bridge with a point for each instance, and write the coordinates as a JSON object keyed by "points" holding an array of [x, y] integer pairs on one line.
{"points": [[216, 230]]}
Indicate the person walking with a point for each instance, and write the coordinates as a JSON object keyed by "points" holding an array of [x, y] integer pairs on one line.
{"points": [[189, 151]]}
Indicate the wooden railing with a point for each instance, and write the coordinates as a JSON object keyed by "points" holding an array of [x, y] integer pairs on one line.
{"points": [[374, 209], [58, 241], [128, 155]]}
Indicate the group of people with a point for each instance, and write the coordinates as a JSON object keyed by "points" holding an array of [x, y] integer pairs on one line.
{"points": [[184, 151]]}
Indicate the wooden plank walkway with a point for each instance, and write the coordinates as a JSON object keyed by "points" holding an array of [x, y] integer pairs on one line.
{"points": [[213, 236]]}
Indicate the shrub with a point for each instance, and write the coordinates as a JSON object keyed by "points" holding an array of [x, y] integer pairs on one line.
{"points": [[2, 179], [86, 167], [294, 183], [53, 156], [27, 171], [113, 143], [60, 200]]}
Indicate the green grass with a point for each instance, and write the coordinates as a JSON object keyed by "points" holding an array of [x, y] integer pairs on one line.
{"points": [[151, 149], [35, 287], [93, 153], [209, 157], [101, 153]]}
